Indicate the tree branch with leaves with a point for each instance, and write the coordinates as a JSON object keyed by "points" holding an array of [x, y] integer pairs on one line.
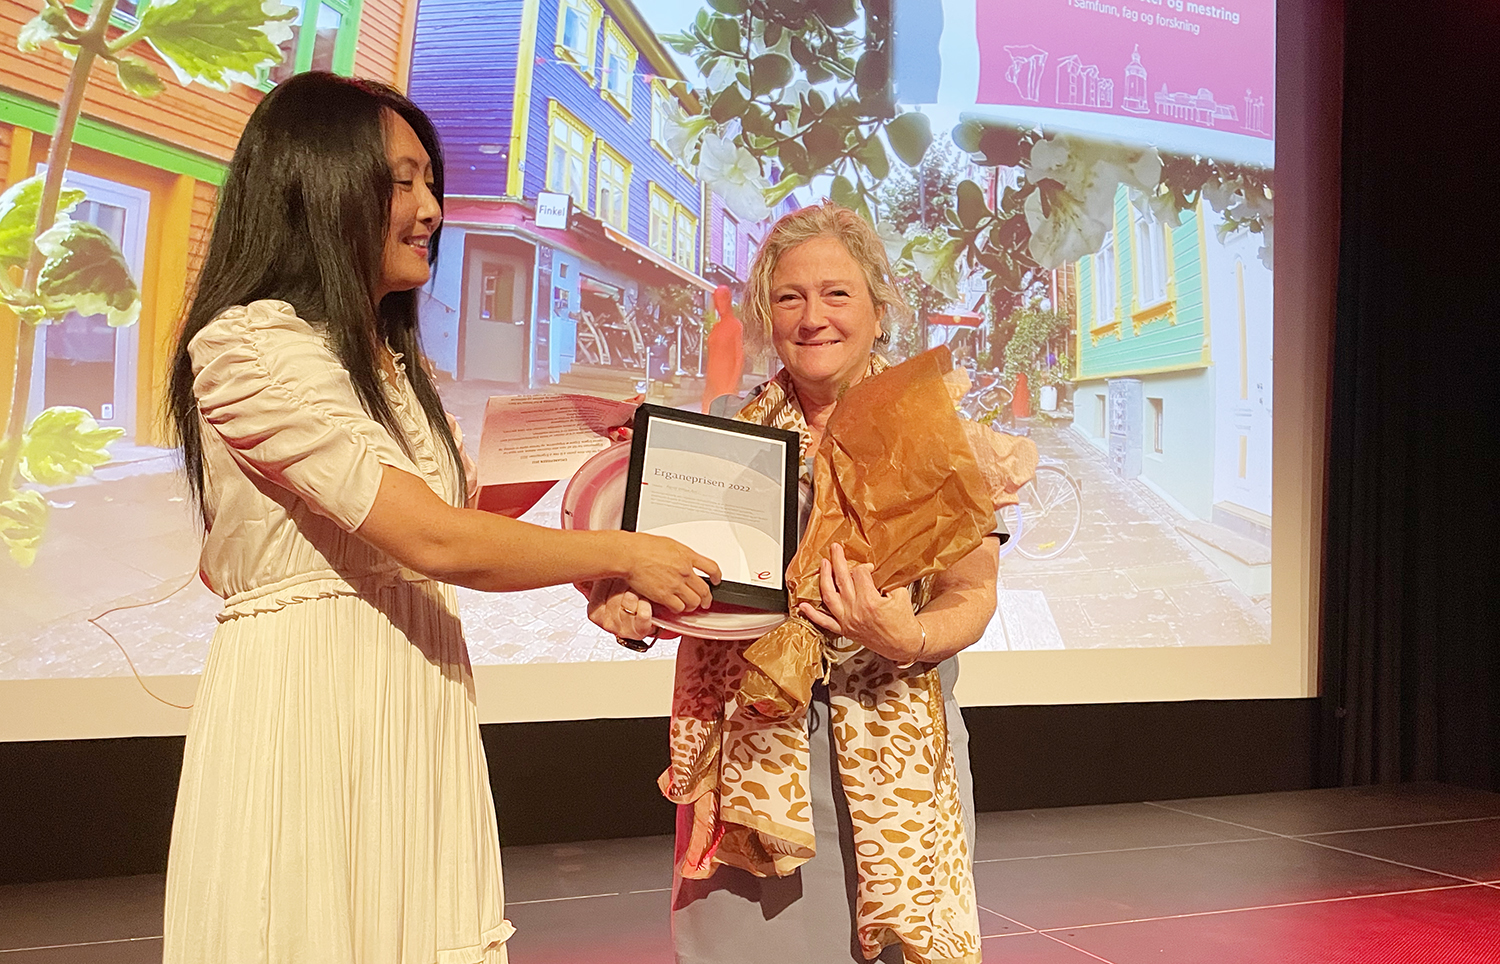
{"points": [[68, 266]]}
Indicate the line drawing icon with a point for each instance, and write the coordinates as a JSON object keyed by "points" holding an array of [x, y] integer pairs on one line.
{"points": [[1025, 71], [1079, 84]]}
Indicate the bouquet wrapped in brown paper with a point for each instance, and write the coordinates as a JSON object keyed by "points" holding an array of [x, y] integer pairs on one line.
{"points": [[1007, 462], [896, 482]]}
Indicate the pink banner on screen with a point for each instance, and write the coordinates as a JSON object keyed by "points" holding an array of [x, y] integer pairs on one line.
{"points": [[1209, 65]]}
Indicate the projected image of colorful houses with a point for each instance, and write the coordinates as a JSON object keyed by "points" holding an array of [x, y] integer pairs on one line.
{"points": [[609, 163]]}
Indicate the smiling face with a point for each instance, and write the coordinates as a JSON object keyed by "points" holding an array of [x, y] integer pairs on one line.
{"points": [[824, 321], [415, 212]]}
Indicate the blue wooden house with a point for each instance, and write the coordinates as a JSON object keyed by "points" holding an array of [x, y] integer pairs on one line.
{"points": [[1173, 356], [565, 97]]}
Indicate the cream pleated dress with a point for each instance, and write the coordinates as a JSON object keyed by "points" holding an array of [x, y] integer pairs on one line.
{"points": [[335, 806]]}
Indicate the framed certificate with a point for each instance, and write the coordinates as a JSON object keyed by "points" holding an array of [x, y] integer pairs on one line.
{"points": [[726, 489]]}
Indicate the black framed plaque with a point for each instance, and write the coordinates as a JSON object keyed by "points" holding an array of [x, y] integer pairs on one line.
{"points": [[726, 489]]}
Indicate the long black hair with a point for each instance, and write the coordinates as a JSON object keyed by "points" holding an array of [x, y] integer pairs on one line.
{"points": [[302, 218]]}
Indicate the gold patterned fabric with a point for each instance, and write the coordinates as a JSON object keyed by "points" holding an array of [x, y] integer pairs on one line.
{"points": [[747, 772]]}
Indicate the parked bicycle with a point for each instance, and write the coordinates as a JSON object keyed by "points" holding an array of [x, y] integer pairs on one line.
{"points": [[1046, 520]]}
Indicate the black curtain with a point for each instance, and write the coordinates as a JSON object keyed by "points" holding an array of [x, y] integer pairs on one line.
{"points": [[1411, 626]]}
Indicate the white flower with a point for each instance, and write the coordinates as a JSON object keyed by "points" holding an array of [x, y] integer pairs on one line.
{"points": [[893, 240], [1082, 212], [722, 74], [277, 31], [683, 134], [732, 172], [936, 262], [1071, 233]]}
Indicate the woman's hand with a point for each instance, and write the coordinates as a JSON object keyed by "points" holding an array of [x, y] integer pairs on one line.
{"points": [[664, 570], [881, 622], [615, 609]]}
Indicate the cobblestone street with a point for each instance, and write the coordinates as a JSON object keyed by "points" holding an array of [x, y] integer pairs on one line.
{"points": [[1128, 580], [126, 537]]}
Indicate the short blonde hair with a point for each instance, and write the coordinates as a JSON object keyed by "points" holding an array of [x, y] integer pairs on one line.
{"points": [[826, 220]]}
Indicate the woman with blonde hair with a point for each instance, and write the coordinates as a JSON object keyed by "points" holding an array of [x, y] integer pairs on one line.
{"points": [[891, 875]]}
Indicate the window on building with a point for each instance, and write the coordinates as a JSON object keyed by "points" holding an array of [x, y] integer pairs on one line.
{"points": [[1105, 291], [1101, 416], [577, 30], [568, 155], [1151, 258], [1155, 408], [731, 245], [687, 240], [613, 178], [619, 67], [323, 35], [662, 209]]}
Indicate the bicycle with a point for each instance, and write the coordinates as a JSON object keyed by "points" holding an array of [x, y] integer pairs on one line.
{"points": [[1047, 518]]}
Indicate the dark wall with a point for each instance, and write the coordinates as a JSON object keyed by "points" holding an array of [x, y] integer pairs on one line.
{"points": [[1411, 641], [101, 808]]}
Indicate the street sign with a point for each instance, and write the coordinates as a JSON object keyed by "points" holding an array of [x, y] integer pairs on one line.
{"points": [[552, 210]]}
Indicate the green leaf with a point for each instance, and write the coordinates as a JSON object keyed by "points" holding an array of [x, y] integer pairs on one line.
{"points": [[728, 104], [872, 72], [966, 136], [217, 42], [733, 8], [843, 192], [756, 120], [84, 272], [772, 34], [18, 211], [680, 42], [769, 72], [872, 155], [1002, 147], [910, 135], [794, 158], [23, 519], [801, 53], [64, 443], [824, 143], [835, 13], [724, 33], [47, 27], [971, 206], [138, 76]]}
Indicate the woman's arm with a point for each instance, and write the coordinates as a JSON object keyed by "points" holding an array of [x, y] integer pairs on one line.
{"points": [[962, 603], [409, 522]]}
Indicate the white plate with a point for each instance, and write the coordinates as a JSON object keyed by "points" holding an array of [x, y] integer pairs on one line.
{"points": [[595, 499]]}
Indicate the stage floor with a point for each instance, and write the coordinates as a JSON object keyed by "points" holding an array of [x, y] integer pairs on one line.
{"points": [[1372, 875]]}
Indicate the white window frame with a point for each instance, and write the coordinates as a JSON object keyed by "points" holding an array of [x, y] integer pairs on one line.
{"points": [[557, 115], [1151, 259], [1106, 284]]}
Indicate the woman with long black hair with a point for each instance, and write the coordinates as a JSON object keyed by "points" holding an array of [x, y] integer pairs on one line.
{"points": [[335, 805]]}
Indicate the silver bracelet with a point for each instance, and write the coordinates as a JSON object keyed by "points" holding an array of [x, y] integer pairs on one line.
{"points": [[920, 649]]}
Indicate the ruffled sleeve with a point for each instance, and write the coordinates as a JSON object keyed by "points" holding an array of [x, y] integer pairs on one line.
{"points": [[269, 386]]}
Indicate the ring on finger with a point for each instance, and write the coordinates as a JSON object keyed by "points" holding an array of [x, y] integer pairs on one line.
{"points": [[629, 612]]}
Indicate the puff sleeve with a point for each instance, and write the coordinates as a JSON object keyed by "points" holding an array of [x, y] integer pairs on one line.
{"points": [[269, 386]]}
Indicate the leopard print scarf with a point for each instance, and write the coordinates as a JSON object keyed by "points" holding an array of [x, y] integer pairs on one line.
{"points": [[916, 884]]}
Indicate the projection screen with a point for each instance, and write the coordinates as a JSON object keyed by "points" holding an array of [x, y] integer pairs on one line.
{"points": [[1149, 196]]}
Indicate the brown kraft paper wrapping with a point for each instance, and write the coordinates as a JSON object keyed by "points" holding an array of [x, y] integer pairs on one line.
{"points": [[896, 482]]}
